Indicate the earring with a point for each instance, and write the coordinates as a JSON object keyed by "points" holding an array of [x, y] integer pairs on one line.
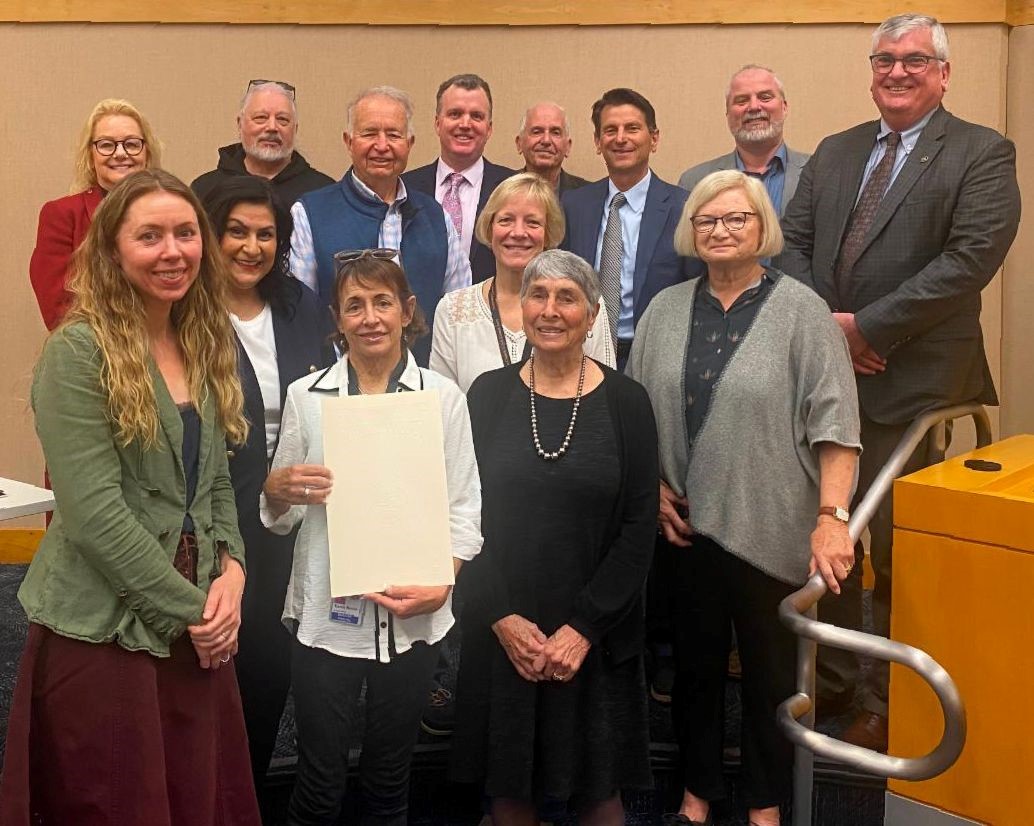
{"points": [[588, 334]]}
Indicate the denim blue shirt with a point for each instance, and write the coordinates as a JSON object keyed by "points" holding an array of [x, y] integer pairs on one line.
{"points": [[774, 177]]}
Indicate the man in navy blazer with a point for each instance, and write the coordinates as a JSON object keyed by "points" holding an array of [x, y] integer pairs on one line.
{"points": [[626, 135], [463, 121]]}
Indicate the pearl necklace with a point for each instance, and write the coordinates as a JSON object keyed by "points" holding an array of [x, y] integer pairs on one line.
{"points": [[556, 454]]}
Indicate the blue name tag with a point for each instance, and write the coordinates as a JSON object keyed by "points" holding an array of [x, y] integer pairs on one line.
{"points": [[349, 610]]}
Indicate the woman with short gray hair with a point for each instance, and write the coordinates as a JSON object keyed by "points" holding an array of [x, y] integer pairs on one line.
{"points": [[551, 695]]}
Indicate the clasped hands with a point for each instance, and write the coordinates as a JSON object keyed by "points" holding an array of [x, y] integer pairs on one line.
{"points": [[215, 638], [865, 360], [537, 657]]}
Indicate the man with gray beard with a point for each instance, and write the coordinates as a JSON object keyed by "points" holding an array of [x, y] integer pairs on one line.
{"points": [[756, 107], [268, 125]]}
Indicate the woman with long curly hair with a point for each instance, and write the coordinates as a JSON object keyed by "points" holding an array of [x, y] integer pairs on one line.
{"points": [[121, 712]]}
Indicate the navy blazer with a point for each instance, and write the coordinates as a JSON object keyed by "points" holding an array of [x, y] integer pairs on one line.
{"points": [[424, 179], [657, 265]]}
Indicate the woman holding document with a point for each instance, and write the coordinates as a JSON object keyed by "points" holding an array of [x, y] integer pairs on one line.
{"points": [[387, 640]]}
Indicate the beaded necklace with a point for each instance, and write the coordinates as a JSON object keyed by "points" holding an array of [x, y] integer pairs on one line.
{"points": [[556, 454]]}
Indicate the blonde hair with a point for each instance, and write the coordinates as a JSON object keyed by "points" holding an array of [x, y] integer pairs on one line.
{"points": [[104, 299], [533, 186], [713, 185], [85, 173]]}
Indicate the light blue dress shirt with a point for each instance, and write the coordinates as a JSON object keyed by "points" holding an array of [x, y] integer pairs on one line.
{"points": [[909, 138]]}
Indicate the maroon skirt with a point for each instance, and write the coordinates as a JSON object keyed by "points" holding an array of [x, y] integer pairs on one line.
{"points": [[102, 735]]}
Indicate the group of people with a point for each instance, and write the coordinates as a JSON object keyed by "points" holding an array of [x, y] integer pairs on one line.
{"points": [[630, 374]]}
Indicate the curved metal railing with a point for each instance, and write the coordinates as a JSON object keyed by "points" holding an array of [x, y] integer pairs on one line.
{"points": [[796, 715]]}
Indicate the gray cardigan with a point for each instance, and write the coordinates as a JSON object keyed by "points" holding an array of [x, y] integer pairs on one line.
{"points": [[752, 478]]}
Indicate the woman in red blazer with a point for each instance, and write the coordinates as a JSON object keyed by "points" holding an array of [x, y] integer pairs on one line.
{"points": [[116, 141]]}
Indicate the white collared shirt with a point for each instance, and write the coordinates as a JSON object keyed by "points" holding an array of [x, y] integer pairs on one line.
{"points": [[308, 594], [469, 193]]}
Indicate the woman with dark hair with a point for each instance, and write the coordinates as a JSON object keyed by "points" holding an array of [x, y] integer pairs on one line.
{"points": [[122, 713], [283, 333]]}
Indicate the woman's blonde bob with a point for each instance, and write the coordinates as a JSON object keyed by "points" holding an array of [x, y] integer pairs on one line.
{"points": [[771, 243]]}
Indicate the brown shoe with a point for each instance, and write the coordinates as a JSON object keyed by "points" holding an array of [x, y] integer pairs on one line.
{"points": [[868, 730]]}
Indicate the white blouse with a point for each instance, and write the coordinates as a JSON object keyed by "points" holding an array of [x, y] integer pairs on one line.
{"points": [[464, 343], [308, 600]]}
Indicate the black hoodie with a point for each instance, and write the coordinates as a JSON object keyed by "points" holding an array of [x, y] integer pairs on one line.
{"points": [[293, 181]]}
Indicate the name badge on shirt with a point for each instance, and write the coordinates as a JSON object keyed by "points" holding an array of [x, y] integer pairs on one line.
{"points": [[348, 610]]}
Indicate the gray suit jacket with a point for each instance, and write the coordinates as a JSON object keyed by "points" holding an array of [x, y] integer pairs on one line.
{"points": [[939, 236], [795, 162]]}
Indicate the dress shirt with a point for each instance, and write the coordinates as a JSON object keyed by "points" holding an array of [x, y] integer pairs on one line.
{"points": [[631, 217], [469, 192], [303, 253], [909, 138], [774, 176]]}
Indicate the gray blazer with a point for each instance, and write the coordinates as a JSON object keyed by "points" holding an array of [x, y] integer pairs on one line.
{"points": [[795, 162], [939, 236]]}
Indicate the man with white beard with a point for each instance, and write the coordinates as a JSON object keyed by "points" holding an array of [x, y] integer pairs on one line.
{"points": [[268, 125], [756, 107]]}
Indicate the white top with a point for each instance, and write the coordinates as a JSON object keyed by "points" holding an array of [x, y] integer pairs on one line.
{"points": [[256, 336], [308, 593], [464, 343], [469, 193]]}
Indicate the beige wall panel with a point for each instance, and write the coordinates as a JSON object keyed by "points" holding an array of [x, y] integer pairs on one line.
{"points": [[1018, 284], [188, 80]]}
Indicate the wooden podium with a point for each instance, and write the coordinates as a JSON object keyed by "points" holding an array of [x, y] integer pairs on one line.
{"points": [[964, 592]]}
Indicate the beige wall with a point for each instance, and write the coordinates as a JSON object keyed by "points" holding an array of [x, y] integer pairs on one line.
{"points": [[187, 79]]}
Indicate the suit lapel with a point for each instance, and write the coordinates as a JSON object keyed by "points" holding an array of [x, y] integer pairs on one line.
{"points": [[655, 215]]}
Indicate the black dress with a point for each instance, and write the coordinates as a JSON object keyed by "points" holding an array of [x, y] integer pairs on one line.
{"points": [[546, 529]]}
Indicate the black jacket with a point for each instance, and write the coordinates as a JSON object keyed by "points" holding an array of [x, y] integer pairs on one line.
{"points": [[293, 181]]}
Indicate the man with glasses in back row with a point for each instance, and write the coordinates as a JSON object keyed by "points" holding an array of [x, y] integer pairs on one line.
{"points": [[268, 125], [899, 224]]}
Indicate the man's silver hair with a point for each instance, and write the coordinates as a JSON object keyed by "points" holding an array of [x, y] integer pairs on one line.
{"points": [[557, 106], [263, 87], [896, 27], [391, 92], [754, 67]]}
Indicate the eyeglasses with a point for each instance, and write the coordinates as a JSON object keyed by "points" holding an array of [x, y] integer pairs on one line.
{"points": [[346, 257], [914, 64], [732, 221], [107, 147], [287, 87]]}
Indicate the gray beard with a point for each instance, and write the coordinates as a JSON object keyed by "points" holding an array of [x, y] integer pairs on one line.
{"points": [[270, 155], [771, 132]]}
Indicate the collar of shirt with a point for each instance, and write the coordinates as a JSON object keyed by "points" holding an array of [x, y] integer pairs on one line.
{"points": [[635, 197], [373, 197], [335, 378], [473, 174], [772, 167], [751, 292], [910, 136]]}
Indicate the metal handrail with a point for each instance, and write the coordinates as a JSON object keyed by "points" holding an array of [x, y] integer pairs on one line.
{"points": [[796, 715]]}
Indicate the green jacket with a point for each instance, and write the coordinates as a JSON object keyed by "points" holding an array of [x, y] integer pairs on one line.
{"points": [[103, 571]]}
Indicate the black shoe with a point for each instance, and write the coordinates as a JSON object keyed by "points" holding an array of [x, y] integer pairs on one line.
{"points": [[678, 819], [663, 682], [440, 715]]}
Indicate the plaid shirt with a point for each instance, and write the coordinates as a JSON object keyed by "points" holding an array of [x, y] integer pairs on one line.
{"points": [[303, 254]]}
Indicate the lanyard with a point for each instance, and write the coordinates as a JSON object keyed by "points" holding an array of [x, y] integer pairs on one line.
{"points": [[500, 336]]}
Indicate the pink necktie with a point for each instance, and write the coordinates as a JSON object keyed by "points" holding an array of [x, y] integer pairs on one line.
{"points": [[451, 201]]}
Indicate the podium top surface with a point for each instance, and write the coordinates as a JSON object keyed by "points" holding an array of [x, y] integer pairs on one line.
{"points": [[994, 506], [22, 499]]}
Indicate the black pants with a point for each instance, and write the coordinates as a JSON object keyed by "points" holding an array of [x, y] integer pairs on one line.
{"points": [[714, 590], [837, 670], [326, 695]]}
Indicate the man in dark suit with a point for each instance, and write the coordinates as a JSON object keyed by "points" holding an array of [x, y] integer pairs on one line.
{"points": [[899, 224], [639, 208], [462, 178], [756, 109], [544, 141]]}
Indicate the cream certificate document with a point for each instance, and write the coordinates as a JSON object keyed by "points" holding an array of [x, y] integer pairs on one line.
{"points": [[388, 514]]}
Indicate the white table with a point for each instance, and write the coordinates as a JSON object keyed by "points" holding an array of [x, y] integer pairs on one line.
{"points": [[21, 499]]}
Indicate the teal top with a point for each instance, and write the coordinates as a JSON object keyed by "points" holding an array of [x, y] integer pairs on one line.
{"points": [[103, 571]]}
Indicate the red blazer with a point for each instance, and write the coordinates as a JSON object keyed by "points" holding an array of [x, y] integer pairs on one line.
{"points": [[63, 225]]}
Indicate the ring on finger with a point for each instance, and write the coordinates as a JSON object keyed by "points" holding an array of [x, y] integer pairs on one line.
{"points": [[558, 676], [305, 492], [225, 658]]}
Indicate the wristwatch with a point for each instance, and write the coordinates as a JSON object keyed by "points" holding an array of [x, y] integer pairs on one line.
{"points": [[837, 512]]}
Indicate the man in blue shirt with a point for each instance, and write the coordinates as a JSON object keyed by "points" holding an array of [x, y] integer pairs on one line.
{"points": [[756, 109]]}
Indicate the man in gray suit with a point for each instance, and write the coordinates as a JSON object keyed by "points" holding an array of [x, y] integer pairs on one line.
{"points": [[899, 224], [756, 107]]}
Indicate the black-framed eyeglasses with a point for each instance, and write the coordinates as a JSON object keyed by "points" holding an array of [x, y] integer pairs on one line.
{"points": [[346, 257], [732, 221], [914, 64], [287, 87], [107, 147]]}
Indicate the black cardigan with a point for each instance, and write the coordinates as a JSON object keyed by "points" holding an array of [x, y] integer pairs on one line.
{"points": [[609, 610]]}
